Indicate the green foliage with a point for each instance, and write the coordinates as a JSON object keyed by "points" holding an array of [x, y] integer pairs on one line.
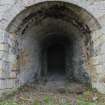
{"points": [[65, 103], [8, 103], [48, 100], [36, 102], [81, 102]]}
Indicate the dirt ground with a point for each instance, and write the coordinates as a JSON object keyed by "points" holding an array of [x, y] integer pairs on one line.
{"points": [[51, 94]]}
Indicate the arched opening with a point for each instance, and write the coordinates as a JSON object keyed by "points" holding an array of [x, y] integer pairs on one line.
{"points": [[52, 38]]}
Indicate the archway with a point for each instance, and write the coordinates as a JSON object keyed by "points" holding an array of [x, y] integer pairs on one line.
{"points": [[39, 26]]}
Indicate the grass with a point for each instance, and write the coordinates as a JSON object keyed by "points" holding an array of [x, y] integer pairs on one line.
{"points": [[8, 103], [49, 101], [89, 97]]}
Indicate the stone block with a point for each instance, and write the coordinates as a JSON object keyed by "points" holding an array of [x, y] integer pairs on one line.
{"points": [[1, 34], [11, 40], [12, 58], [98, 8], [5, 69], [4, 56], [99, 69], [102, 60], [4, 7], [96, 60], [1, 70], [13, 74], [10, 83], [7, 2], [100, 74], [101, 20], [4, 47], [96, 34], [1, 64], [99, 46], [2, 83], [100, 87], [99, 41], [28, 2], [15, 67], [7, 83], [3, 24], [14, 10]]}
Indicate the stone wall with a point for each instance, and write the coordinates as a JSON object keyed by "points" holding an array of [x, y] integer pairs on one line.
{"points": [[94, 18], [8, 62]]}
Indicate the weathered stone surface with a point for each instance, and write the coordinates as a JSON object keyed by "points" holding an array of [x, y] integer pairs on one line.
{"points": [[7, 84], [21, 49]]}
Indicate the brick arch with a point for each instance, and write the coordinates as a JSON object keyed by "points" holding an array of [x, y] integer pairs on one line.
{"points": [[80, 9], [17, 7]]}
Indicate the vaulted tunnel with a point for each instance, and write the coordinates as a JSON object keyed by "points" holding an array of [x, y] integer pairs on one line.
{"points": [[54, 42]]}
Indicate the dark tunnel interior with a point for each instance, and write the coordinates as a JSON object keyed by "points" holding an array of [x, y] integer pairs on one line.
{"points": [[55, 55], [56, 59]]}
